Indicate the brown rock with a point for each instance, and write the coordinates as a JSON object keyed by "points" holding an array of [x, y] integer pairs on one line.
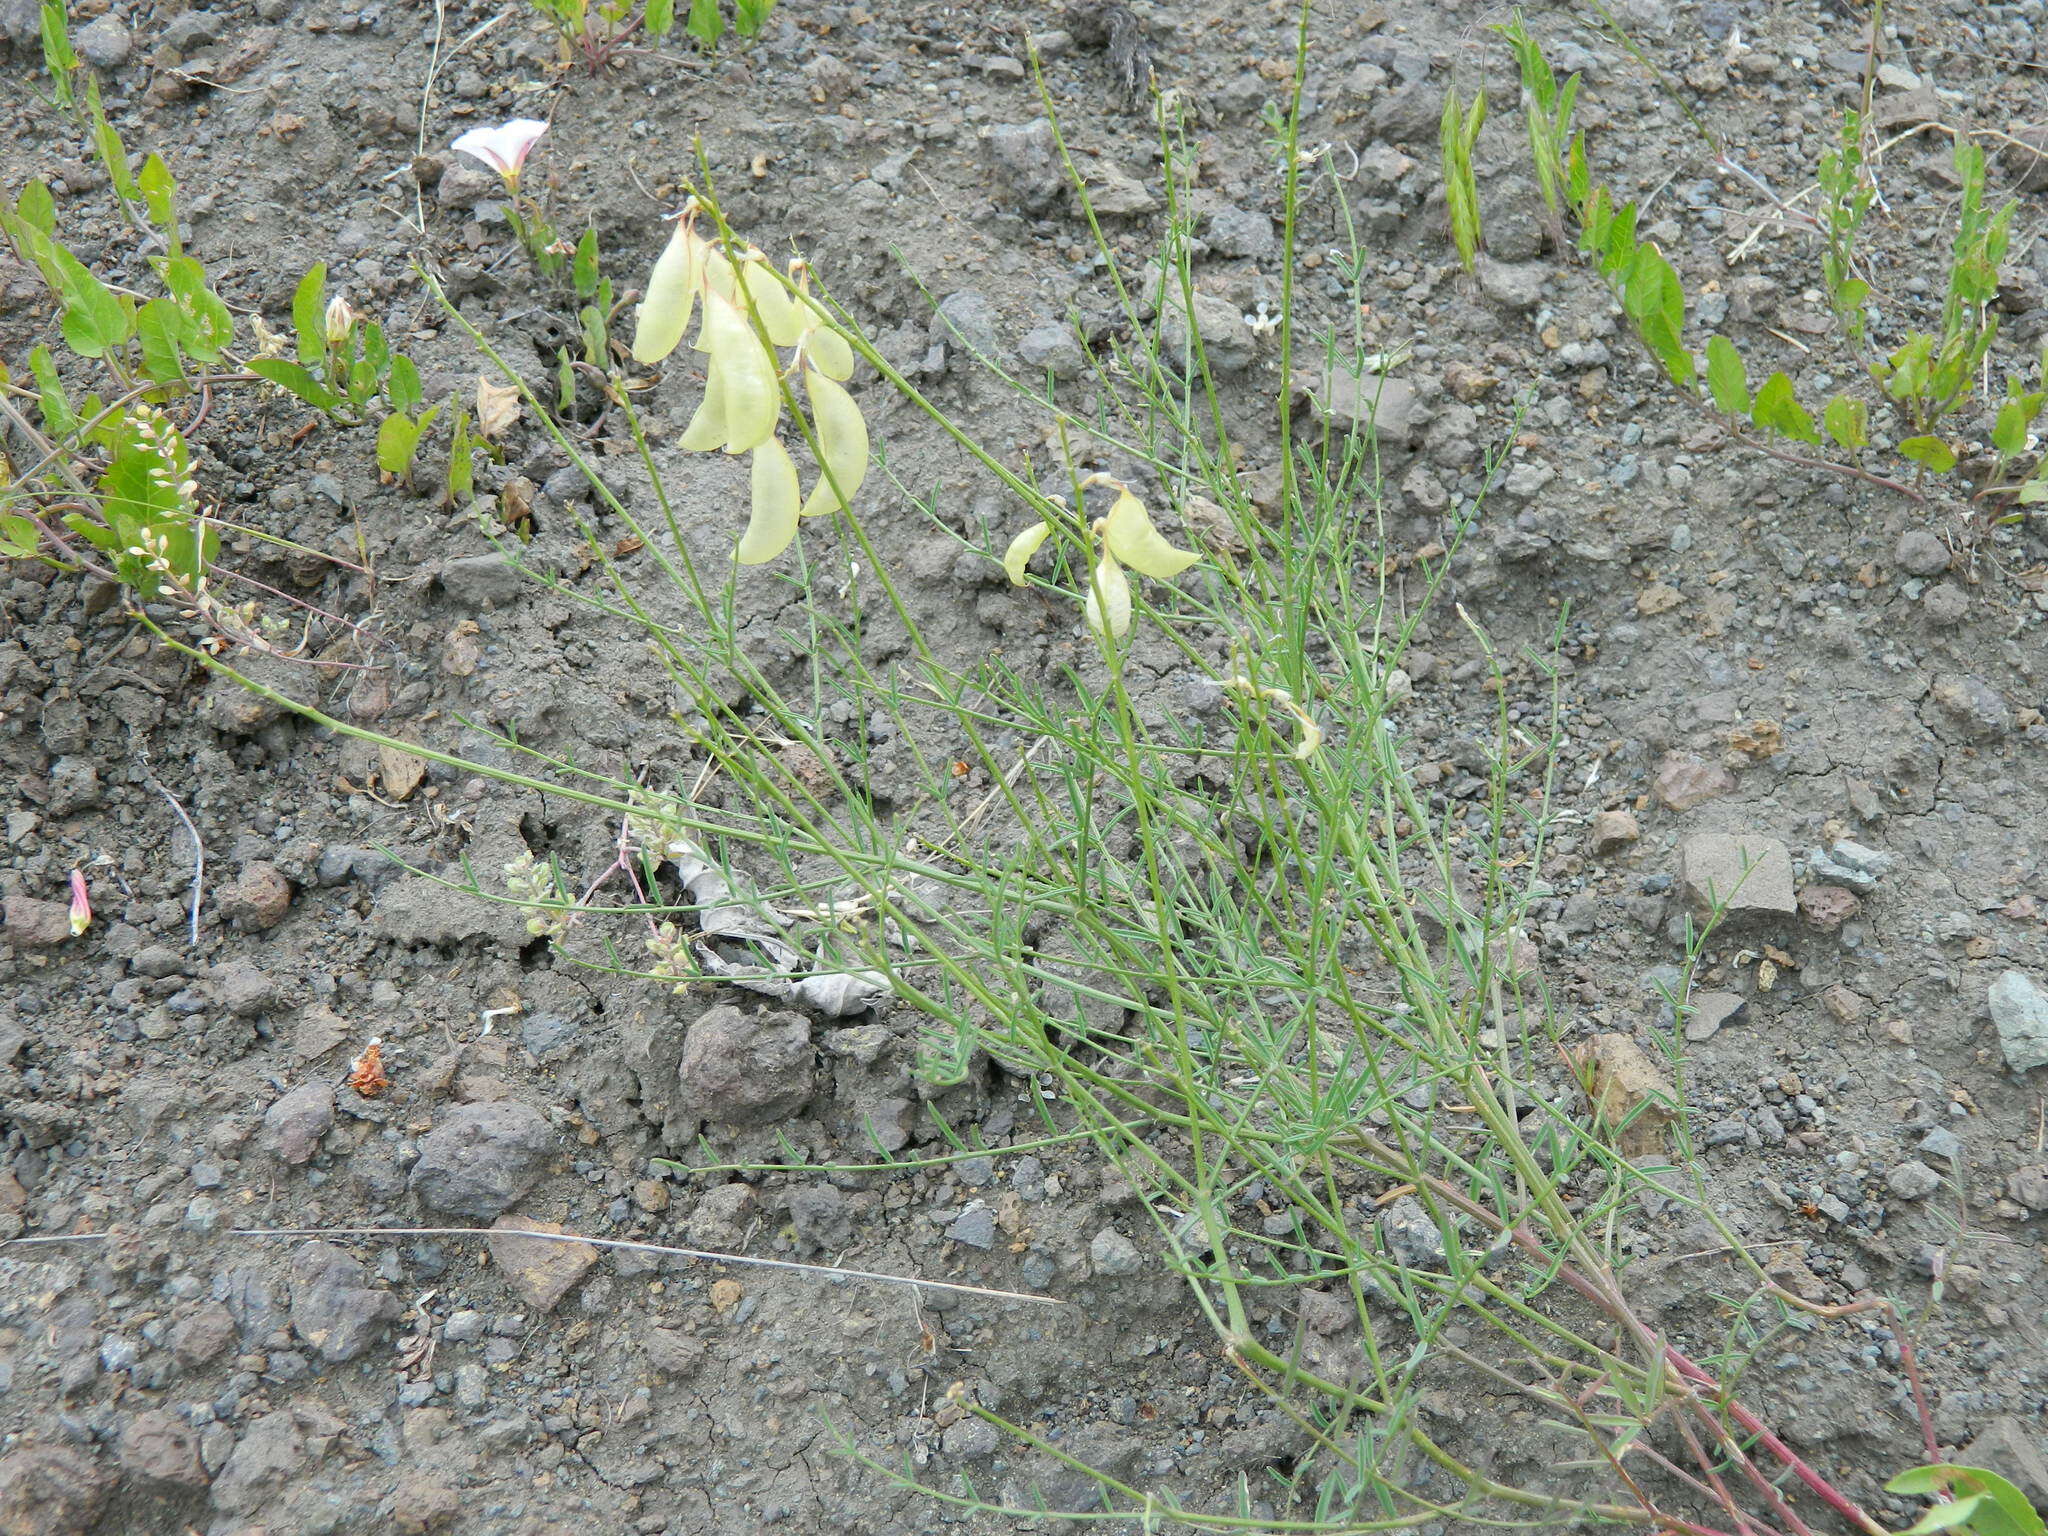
{"points": [[257, 899], [672, 1353], [541, 1272], [1684, 781], [49, 1490], [746, 1069], [1844, 1006], [1631, 1096], [1614, 829], [419, 1504], [293, 1126], [1743, 876], [33, 924], [1827, 907], [202, 1335], [158, 1448], [269, 1455]]}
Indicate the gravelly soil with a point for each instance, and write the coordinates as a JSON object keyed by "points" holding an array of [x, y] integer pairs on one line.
{"points": [[1749, 648]]}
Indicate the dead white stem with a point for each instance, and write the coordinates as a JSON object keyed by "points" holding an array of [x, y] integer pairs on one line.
{"points": [[824, 1270]]}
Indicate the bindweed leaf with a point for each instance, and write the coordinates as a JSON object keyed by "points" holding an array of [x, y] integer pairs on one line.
{"points": [[289, 376], [1022, 548], [1778, 410], [842, 444], [94, 322], [773, 524], [1847, 422], [1931, 452], [1129, 536], [671, 295], [1727, 380], [309, 315]]}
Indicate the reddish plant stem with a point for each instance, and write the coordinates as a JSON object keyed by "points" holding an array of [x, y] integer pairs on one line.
{"points": [[1785, 455]]}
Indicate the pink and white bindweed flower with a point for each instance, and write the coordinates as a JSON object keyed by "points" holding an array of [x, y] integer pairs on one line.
{"points": [[81, 904], [504, 148]]}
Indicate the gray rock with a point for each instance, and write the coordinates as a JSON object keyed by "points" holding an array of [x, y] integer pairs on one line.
{"points": [[1410, 1235], [103, 42], [1912, 1180], [1513, 285], [334, 1307], [821, 1217], [974, 1227], [1113, 1255], [968, 320], [1746, 876], [1710, 1010], [2019, 1010], [463, 1327], [1920, 553], [1025, 163], [1242, 232], [21, 22], [1945, 604], [1114, 193], [192, 30], [1511, 213], [465, 184], [970, 1439], [74, 785], [1970, 707], [244, 990], [1052, 348], [1385, 407], [1227, 342], [1943, 1143], [744, 1069], [267, 1457], [1848, 864], [1409, 114], [293, 1126], [481, 1158], [2028, 1186], [481, 581]]}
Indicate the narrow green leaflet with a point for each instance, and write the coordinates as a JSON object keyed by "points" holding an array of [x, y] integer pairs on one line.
{"points": [[583, 270], [58, 418], [660, 18], [1655, 300], [309, 315], [1778, 410], [1847, 422], [1930, 451], [1727, 379]]}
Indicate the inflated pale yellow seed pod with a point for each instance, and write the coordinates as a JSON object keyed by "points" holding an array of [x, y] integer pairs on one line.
{"points": [[828, 351], [781, 316], [773, 524], [1108, 607], [1128, 534], [752, 397], [1022, 548], [842, 444], [671, 296], [706, 430]]}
